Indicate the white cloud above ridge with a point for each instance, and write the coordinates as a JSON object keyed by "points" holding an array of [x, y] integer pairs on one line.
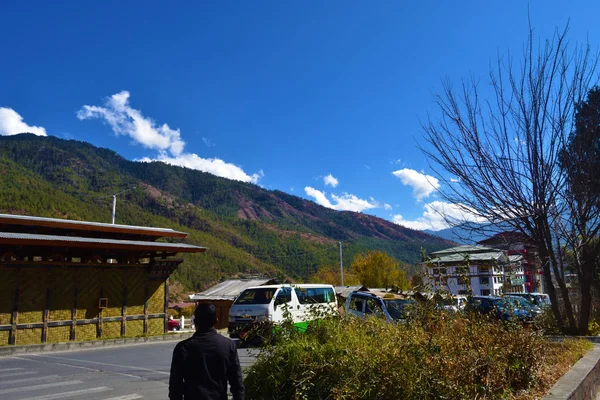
{"points": [[439, 215], [330, 180], [345, 202], [423, 185], [213, 166], [127, 121], [11, 123]]}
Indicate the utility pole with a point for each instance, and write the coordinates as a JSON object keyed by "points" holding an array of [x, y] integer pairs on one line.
{"points": [[341, 265], [114, 210]]}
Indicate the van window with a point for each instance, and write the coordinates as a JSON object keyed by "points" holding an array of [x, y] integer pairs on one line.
{"points": [[374, 307], [315, 295], [256, 296], [357, 305], [284, 295], [396, 307]]}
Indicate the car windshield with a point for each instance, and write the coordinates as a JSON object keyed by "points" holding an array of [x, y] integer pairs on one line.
{"points": [[256, 296], [517, 301], [500, 303], [542, 299], [395, 307], [449, 301]]}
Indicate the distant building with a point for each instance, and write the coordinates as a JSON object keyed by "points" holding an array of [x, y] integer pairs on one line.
{"points": [[64, 280], [516, 243], [477, 270]]}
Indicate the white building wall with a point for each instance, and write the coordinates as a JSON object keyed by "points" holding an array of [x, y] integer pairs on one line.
{"points": [[482, 281]]}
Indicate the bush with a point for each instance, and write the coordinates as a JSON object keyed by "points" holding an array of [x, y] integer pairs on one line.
{"points": [[434, 355]]}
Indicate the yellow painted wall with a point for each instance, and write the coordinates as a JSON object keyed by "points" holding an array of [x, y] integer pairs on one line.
{"points": [[8, 285], [81, 286]]}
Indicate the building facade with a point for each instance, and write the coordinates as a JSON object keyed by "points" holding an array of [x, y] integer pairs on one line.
{"points": [[63, 280], [516, 244], [476, 270]]}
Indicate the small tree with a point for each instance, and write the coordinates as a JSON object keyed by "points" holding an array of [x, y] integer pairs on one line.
{"points": [[331, 274], [377, 269]]}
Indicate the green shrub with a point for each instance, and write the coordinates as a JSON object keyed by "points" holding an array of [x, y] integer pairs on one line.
{"points": [[187, 311], [434, 355]]}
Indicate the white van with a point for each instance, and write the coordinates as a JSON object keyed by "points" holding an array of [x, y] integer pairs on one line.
{"points": [[271, 303]]}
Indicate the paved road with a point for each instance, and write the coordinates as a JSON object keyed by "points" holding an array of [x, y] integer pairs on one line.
{"points": [[118, 373]]}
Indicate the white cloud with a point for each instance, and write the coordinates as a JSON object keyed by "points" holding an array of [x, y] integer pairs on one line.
{"points": [[439, 215], [454, 180], [208, 142], [330, 180], [213, 166], [345, 202], [423, 185], [387, 207], [11, 123], [125, 120]]}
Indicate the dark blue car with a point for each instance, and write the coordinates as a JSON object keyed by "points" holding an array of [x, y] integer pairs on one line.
{"points": [[501, 308]]}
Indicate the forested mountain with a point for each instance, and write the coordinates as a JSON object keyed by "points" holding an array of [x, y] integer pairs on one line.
{"points": [[248, 229]]}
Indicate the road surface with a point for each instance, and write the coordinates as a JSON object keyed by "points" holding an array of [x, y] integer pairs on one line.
{"points": [[132, 372]]}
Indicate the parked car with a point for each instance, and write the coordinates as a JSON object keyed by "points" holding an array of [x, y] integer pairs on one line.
{"points": [[501, 308], [539, 299], [522, 302], [390, 306], [453, 303], [173, 324], [272, 304]]}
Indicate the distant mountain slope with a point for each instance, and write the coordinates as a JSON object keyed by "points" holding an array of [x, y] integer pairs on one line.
{"points": [[470, 233], [247, 228]]}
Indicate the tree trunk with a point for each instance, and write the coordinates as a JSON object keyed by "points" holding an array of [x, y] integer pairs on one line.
{"points": [[586, 305], [588, 269], [549, 286], [564, 291]]}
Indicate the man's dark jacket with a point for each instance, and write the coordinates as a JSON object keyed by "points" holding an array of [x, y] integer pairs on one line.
{"points": [[201, 367]]}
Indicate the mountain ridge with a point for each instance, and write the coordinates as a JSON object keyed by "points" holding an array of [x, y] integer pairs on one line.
{"points": [[249, 229]]}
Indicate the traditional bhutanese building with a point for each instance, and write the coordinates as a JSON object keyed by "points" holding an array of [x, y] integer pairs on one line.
{"points": [[476, 270], [64, 280], [515, 244]]}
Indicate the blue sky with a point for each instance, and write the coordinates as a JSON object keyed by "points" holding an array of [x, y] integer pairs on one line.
{"points": [[321, 99]]}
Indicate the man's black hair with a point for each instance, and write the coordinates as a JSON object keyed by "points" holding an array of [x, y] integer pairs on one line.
{"points": [[205, 315]]}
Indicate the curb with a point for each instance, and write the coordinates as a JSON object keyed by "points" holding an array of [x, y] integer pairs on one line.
{"points": [[582, 381], [6, 351]]}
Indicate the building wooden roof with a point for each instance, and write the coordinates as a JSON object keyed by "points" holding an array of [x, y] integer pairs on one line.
{"points": [[25, 239], [55, 226], [46, 240], [230, 289]]}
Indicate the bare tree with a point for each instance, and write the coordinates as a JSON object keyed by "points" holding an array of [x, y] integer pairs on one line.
{"points": [[505, 150]]}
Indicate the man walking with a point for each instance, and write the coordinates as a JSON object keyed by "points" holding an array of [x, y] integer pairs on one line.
{"points": [[203, 364]]}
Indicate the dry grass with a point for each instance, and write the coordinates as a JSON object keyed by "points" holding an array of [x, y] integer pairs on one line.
{"points": [[434, 355], [557, 360]]}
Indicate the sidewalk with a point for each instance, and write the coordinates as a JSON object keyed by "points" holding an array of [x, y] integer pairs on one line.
{"points": [[6, 351]]}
